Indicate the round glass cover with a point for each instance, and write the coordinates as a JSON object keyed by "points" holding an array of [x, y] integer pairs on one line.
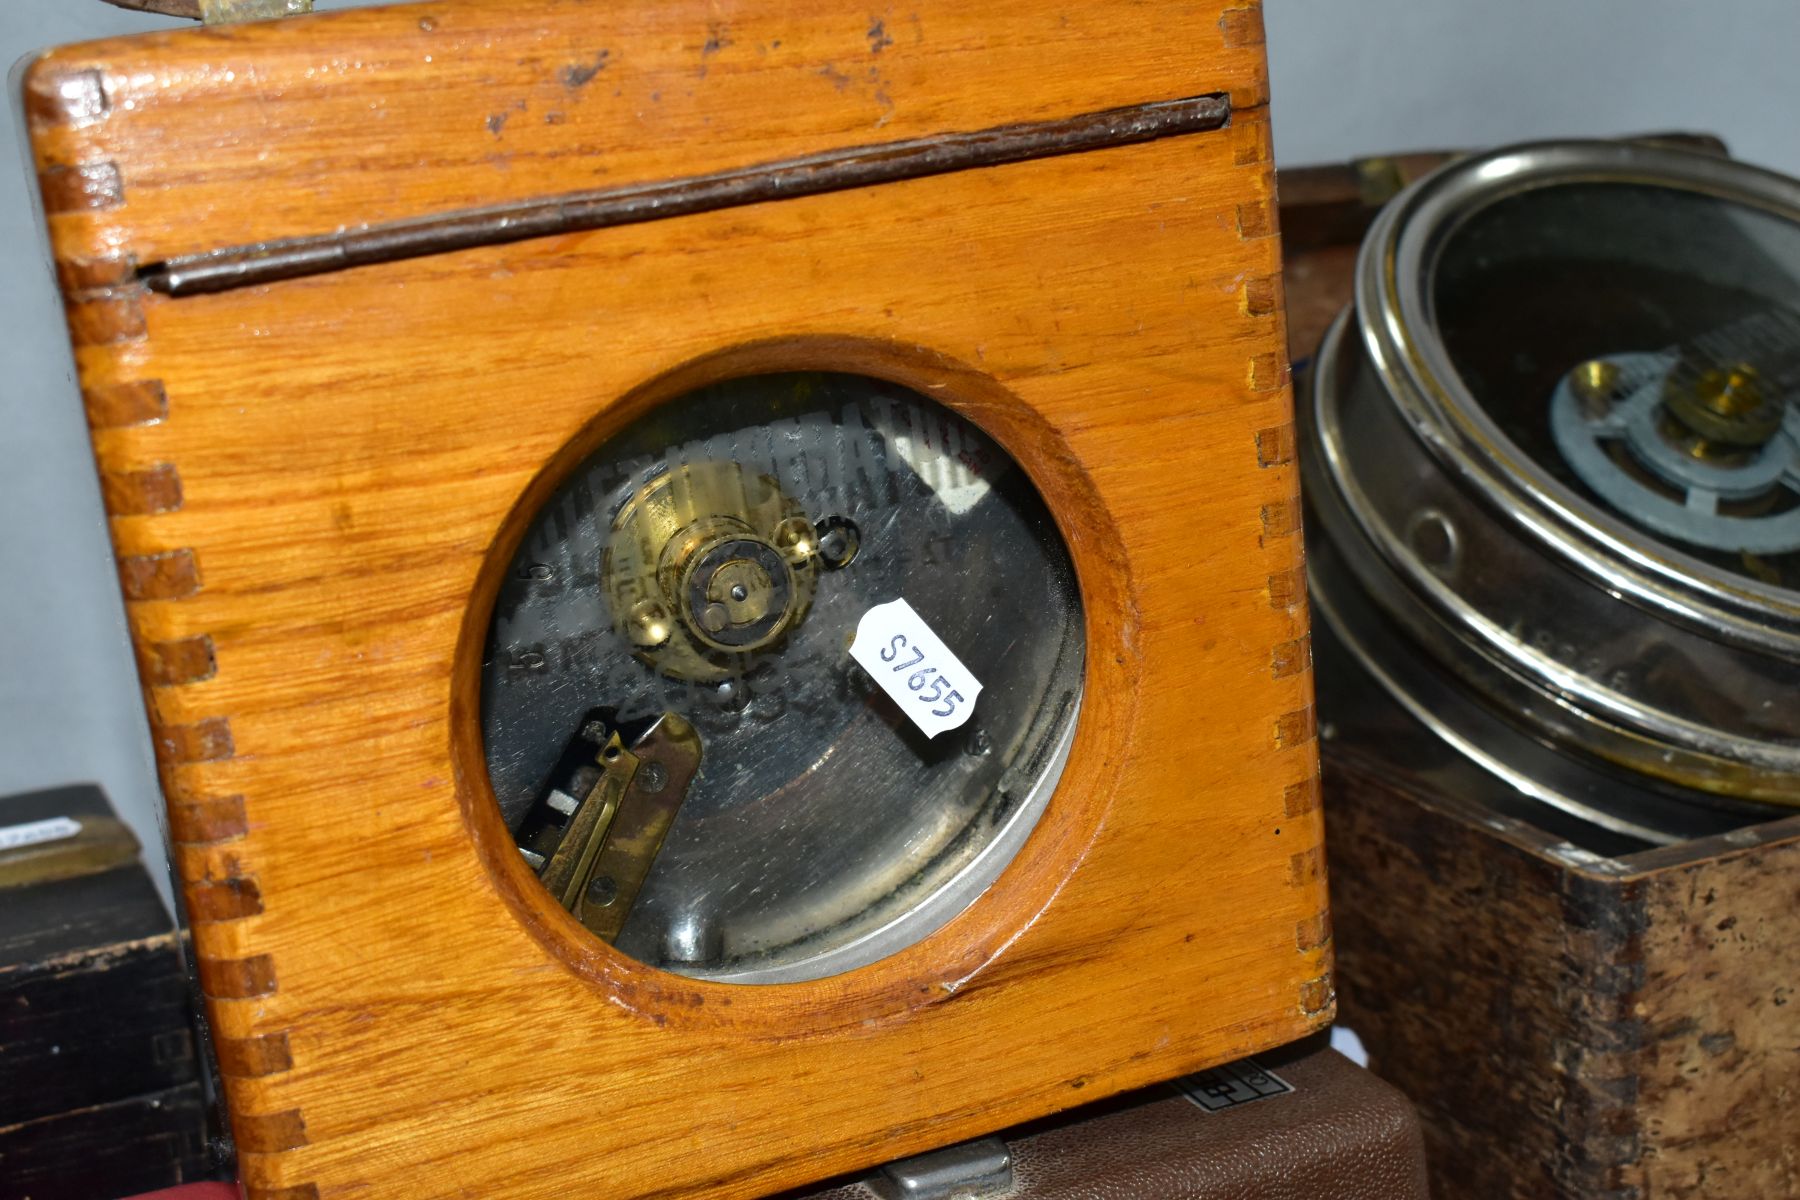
{"points": [[1642, 345], [781, 676]]}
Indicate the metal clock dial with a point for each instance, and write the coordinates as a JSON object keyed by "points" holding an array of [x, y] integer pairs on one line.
{"points": [[676, 729]]}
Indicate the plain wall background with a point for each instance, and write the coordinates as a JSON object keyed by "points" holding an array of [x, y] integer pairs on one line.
{"points": [[1350, 77]]}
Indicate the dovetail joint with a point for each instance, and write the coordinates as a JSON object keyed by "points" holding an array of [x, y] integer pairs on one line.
{"points": [[1306, 867], [1301, 798], [65, 98], [173, 664], [231, 899], [105, 307], [82, 187], [78, 276], [269, 1133], [1262, 295], [1255, 220], [1275, 446], [139, 493], [1242, 27], [1287, 589], [210, 862], [1313, 933], [171, 575], [1291, 658], [108, 319], [201, 822], [1251, 149], [1268, 373], [1280, 519], [1317, 996], [204, 741], [251, 1057], [143, 402], [1296, 728], [236, 978]]}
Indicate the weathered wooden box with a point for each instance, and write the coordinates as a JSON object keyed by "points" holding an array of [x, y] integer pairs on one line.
{"points": [[1570, 1024]]}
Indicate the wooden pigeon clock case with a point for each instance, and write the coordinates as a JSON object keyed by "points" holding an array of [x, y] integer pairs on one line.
{"points": [[530, 431]]}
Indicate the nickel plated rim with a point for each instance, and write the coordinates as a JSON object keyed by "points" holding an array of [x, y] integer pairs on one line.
{"points": [[1525, 690], [1398, 323], [1390, 344]]}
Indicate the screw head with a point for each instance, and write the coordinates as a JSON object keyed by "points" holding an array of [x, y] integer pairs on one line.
{"points": [[839, 541], [796, 540], [1596, 386], [648, 625], [652, 777]]}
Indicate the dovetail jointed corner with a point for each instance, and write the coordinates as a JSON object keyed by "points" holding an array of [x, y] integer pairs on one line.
{"points": [[208, 832]]}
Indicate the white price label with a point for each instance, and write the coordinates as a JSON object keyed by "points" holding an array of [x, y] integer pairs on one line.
{"points": [[12, 837], [914, 667]]}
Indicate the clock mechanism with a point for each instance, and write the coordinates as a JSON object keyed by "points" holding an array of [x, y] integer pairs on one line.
{"points": [[781, 676], [1700, 446]]}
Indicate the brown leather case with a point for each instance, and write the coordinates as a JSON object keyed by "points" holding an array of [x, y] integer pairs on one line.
{"points": [[1341, 1134]]}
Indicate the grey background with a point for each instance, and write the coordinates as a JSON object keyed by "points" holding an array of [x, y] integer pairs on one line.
{"points": [[1350, 77]]}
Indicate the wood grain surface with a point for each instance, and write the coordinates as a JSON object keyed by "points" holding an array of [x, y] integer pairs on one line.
{"points": [[1718, 1064], [315, 484], [381, 114], [1570, 1028]]}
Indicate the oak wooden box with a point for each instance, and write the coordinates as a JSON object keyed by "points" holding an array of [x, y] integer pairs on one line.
{"points": [[1596, 1022], [1055, 217]]}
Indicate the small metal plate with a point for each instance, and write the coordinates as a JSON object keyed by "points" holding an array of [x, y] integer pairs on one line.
{"points": [[1241, 1082]]}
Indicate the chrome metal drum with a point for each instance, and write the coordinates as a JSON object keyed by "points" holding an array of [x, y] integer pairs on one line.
{"points": [[1553, 459]]}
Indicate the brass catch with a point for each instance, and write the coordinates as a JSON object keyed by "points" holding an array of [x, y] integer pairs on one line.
{"points": [[597, 864]]}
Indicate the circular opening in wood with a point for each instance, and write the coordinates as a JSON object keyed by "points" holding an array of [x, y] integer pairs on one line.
{"points": [[781, 675]]}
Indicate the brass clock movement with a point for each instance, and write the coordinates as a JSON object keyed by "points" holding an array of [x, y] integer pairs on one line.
{"points": [[675, 730], [735, 566]]}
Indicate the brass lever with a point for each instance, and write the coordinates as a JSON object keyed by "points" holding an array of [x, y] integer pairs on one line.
{"points": [[612, 837]]}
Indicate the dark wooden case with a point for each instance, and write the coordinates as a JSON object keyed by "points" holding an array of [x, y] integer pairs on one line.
{"points": [[100, 1088], [1570, 1024]]}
